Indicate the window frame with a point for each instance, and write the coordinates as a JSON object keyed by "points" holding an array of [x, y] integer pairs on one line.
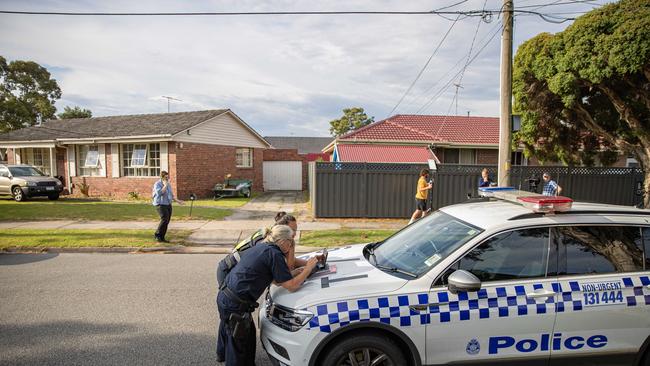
{"points": [[552, 254], [82, 168], [27, 154], [152, 160], [444, 156], [562, 254], [250, 157]]}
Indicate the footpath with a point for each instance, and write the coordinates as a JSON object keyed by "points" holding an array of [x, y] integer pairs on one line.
{"points": [[206, 236], [218, 236]]}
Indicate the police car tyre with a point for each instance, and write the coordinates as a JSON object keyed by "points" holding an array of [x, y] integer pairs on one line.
{"points": [[365, 349]]}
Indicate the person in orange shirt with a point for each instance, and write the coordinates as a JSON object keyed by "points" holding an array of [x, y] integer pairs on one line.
{"points": [[421, 195]]}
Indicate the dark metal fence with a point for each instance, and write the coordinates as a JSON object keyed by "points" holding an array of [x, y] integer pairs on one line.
{"points": [[378, 190]]}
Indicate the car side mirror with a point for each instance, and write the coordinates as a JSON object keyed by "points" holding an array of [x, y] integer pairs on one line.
{"points": [[463, 281]]}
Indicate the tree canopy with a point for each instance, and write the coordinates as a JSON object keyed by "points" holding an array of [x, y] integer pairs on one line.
{"points": [[76, 112], [584, 93], [352, 119], [27, 94]]}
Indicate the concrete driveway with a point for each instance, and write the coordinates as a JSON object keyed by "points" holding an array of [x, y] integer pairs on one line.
{"points": [[265, 206]]}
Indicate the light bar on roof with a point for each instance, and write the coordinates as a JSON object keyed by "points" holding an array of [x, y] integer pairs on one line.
{"points": [[547, 203], [530, 200]]}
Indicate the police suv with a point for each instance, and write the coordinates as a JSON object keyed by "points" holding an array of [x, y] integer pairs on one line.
{"points": [[513, 279]]}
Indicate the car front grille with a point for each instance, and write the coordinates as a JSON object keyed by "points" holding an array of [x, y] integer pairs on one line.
{"points": [[46, 184]]}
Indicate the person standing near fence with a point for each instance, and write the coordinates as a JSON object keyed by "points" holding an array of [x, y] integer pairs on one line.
{"points": [[484, 180], [421, 195], [551, 188]]}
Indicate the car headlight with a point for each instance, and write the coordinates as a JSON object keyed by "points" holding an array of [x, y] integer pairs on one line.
{"points": [[287, 318], [31, 184], [58, 183]]}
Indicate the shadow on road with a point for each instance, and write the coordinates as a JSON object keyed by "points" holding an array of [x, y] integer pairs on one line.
{"points": [[83, 343], [12, 259]]}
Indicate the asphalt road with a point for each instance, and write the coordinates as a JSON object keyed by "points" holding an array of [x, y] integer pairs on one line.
{"points": [[108, 309]]}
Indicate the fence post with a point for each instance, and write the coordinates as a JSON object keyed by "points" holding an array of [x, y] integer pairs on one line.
{"points": [[365, 189]]}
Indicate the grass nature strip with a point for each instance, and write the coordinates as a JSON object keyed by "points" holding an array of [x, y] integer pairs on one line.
{"points": [[70, 209], [335, 238], [73, 238]]}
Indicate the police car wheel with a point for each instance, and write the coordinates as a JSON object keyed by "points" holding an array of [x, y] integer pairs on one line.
{"points": [[364, 350]]}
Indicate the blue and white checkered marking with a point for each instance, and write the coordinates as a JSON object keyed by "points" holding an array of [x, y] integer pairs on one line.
{"points": [[444, 307], [637, 284]]}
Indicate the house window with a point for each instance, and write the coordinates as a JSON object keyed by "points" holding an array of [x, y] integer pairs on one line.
{"points": [[517, 158], [88, 158], [244, 157], [468, 156], [451, 156], [140, 160], [38, 158]]}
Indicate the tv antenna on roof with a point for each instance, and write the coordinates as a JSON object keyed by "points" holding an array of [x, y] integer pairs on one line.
{"points": [[168, 99], [456, 95]]}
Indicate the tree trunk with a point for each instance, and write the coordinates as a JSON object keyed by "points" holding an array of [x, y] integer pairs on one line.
{"points": [[646, 188], [644, 163]]}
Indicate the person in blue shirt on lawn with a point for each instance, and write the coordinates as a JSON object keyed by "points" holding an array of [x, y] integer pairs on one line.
{"points": [[163, 196]]}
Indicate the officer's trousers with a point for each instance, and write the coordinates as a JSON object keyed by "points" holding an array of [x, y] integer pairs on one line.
{"points": [[237, 351]]}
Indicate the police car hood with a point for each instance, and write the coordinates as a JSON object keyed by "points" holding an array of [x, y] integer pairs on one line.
{"points": [[350, 274]]}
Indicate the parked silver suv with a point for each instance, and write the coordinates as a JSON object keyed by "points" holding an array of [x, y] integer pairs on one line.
{"points": [[24, 181]]}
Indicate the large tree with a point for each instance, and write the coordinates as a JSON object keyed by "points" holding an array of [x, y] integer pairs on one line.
{"points": [[76, 112], [584, 93], [352, 119], [27, 94]]}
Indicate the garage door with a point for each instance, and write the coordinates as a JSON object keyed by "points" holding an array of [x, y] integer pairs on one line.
{"points": [[282, 176]]}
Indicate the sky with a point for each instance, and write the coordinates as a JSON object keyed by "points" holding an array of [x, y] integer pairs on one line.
{"points": [[284, 74]]}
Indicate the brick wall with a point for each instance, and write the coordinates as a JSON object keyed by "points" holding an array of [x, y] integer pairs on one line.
{"points": [[289, 155], [487, 156], [200, 166]]}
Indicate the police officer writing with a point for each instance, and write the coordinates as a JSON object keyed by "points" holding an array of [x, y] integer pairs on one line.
{"points": [[263, 264]]}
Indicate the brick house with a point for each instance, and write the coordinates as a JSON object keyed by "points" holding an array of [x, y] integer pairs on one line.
{"points": [[445, 139], [418, 138], [116, 155]]}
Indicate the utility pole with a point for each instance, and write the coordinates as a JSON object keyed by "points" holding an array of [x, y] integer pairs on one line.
{"points": [[168, 99], [505, 118]]}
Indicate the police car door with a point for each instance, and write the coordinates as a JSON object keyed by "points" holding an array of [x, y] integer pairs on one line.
{"points": [[510, 319], [605, 317]]}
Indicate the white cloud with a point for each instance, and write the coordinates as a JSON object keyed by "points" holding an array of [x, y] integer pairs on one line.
{"points": [[282, 74]]}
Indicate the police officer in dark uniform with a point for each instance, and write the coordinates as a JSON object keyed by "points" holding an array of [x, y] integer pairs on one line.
{"points": [[262, 265]]}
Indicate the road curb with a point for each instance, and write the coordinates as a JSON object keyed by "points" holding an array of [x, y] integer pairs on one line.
{"points": [[178, 249]]}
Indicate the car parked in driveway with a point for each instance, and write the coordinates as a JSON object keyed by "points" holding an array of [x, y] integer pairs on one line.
{"points": [[25, 181]]}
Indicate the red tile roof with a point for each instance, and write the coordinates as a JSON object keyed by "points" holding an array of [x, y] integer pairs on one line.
{"points": [[383, 153], [444, 129]]}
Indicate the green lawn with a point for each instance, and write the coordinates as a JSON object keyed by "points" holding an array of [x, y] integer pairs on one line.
{"points": [[71, 209], [64, 238], [335, 238]]}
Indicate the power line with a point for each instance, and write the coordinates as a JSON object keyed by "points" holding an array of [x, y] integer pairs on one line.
{"points": [[424, 67], [446, 86], [556, 3], [464, 57]]}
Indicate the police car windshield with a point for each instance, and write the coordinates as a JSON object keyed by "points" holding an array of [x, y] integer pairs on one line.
{"points": [[421, 245]]}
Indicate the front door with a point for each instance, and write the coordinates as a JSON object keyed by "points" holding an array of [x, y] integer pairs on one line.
{"points": [[510, 319], [605, 285]]}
